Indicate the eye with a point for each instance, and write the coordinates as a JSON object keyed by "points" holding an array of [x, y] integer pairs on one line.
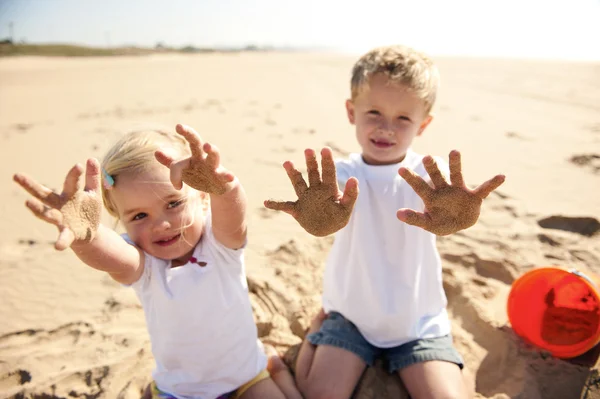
{"points": [[373, 112], [139, 216], [404, 118], [175, 204]]}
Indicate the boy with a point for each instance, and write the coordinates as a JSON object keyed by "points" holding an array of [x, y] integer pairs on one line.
{"points": [[383, 293]]}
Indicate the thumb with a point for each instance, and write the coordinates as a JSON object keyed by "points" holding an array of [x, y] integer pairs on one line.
{"points": [[350, 193]]}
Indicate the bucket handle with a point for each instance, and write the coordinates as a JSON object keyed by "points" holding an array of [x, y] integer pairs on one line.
{"points": [[583, 276]]}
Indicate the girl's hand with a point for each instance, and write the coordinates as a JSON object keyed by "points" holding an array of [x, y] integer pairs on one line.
{"points": [[202, 170], [75, 212]]}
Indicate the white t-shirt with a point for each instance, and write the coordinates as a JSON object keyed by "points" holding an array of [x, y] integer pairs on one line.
{"points": [[382, 274], [203, 335]]}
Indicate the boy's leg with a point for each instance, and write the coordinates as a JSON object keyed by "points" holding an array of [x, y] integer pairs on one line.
{"points": [[435, 379], [430, 368], [332, 358]]}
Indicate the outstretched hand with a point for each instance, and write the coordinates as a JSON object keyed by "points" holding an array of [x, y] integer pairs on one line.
{"points": [[448, 207], [202, 170], [321, 208], [75, 212]]}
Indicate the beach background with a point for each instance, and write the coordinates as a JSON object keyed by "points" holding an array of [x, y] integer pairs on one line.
{"points": [[68, 331]]}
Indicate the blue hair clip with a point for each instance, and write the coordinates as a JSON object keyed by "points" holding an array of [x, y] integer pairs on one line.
{"points": [[109, 182]]}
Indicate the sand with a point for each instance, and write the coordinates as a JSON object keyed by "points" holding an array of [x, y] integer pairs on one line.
{"points": [[70, 331]]}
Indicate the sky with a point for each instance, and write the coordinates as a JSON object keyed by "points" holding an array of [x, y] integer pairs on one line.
{"points": [[547, 29]]}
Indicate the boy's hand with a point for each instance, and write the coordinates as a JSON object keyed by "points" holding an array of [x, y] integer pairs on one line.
{"points": [[321, 209], [201, 171], [448, 207], [75, 212]]}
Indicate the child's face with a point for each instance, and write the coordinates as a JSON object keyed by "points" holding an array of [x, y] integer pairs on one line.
{"points": [[388, 117], [162, 221]]}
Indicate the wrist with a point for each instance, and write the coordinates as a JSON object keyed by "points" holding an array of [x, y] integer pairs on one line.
{"points": [[229, 187]]}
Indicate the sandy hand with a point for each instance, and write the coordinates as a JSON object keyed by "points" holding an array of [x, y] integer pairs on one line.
{"points": [[321, 209], [202, 170], [448, 207], [75, 212]]}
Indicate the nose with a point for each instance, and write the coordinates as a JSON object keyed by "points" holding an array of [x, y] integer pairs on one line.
{"points": [[162, 224], [386, 128]]}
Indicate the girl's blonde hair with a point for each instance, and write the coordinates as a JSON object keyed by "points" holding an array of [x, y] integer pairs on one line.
{"points": [[134, 153], [401, 65]]}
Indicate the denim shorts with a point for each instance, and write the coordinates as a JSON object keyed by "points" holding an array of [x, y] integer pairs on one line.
{"points": [[342, 333]]}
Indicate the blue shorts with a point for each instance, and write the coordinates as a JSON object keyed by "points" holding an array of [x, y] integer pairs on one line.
{"points": [[342, 333]]}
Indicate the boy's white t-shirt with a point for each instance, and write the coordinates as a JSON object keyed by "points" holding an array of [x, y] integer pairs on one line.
{"points": [[204, 339], [384, 275]]}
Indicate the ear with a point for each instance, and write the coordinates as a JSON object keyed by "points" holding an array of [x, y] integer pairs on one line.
{"points": [[424, 124], [350, 111]]}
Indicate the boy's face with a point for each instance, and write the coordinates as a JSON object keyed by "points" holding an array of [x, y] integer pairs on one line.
{"points": [[387, 117]]}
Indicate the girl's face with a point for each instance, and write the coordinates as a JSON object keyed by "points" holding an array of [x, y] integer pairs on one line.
{"points": [[162, 221]]}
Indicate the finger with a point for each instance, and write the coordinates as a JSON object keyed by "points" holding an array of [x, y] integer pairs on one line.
{"points": [[434, 173], [38, 190], [163, 158], [47, 214], [192, 137], [456, 177], [227, 177], [213, 158], [296, 178], [417, 183], [176, 174], [285, 206], [350, 193], [71, 184], [312, 166], [328, 168], [413, 218], [65, 239], [486, 188], [93, 175]]}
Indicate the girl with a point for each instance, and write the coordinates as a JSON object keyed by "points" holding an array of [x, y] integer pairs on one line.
{"points": [[182, 254]]}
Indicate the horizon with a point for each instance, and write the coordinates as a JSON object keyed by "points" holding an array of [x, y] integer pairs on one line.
{"points": [[531, 29]]}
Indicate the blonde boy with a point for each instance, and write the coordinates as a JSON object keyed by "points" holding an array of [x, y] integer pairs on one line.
{"points": [[383, 293]]}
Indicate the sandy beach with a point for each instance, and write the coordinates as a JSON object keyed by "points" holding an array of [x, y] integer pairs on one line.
{"points": [[69, 331]]}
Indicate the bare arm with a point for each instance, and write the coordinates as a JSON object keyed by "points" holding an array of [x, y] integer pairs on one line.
{"points": [[229, 216], [203, 171], [76, 214], [110, 253]]}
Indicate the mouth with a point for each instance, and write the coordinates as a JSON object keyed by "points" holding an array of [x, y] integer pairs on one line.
{"points": [[165, 242], [379, 143]]}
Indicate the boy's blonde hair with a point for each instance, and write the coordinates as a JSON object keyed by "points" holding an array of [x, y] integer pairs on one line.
{"points": [[134, 153], [401, 65]]}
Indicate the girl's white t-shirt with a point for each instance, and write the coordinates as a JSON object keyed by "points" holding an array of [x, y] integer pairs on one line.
{"points": [[204, 339]]}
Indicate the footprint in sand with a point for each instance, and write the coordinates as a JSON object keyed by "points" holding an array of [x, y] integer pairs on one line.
{"points": [[589, 161], [586, 226], [23, 127], [303, 130], [518, 136]]}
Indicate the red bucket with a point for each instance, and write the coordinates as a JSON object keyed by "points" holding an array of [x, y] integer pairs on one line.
{"points": [[557, 310]]}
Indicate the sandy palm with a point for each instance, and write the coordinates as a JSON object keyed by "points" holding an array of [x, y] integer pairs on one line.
{"points": [[75, 212], [202, 170], [448, 207], [321, 208]]}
